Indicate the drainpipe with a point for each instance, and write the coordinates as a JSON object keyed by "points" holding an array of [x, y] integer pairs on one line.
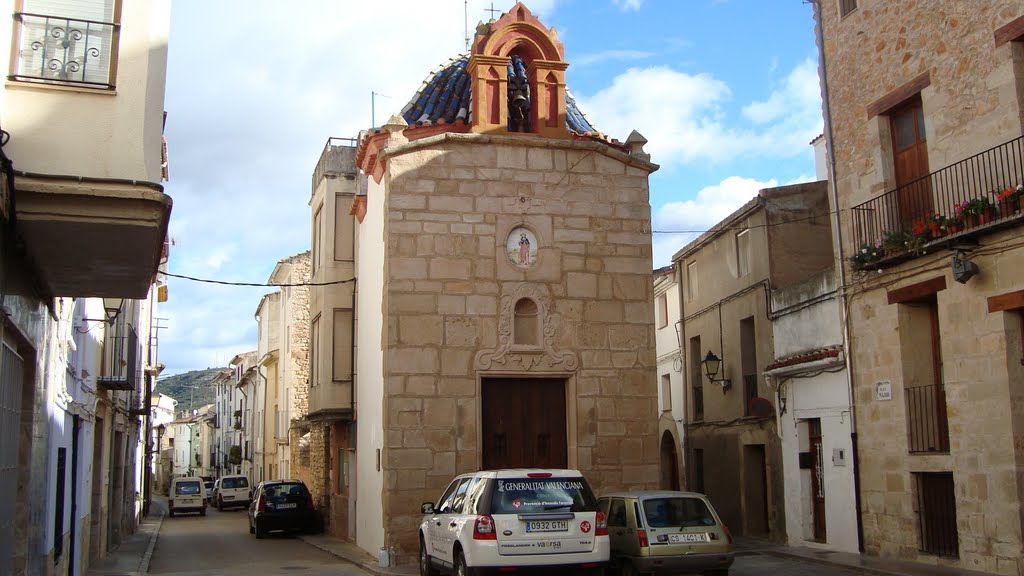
{"points": [[681, 337], [840, 268]]}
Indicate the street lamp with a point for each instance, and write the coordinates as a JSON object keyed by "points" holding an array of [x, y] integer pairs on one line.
{"points": [[111, 308], [712, 364]]}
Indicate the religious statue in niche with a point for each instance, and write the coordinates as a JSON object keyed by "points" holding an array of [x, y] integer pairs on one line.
{"points": [[521, 247]]}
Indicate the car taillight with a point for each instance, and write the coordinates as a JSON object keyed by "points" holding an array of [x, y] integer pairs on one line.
{"points": [[483, 528], [642, 536], [727, 533], [602, 524], [260, 504]]}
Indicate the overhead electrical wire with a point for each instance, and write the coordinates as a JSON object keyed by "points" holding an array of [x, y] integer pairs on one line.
{"points": [[259, 284]]}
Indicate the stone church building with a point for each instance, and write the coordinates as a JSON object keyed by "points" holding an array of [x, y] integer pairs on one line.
{"points": [[501, 309]]}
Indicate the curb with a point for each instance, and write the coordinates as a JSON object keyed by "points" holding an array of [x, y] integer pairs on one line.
{"points": [[148, 556], [823, 562]]}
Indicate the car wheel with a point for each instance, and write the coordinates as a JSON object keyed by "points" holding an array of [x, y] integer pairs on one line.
{"points": [[220, 504], [627, 568], [251, 529], [426, 568], [202, 512], [460, 565], [170, 513], [259, 532]]}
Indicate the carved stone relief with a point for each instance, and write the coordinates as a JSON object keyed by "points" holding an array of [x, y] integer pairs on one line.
{"points": [[510, 357]]}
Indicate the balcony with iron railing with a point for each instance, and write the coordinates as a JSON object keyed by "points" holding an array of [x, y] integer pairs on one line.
{"points": [[945, 209], [121, 370], [64, 50]]}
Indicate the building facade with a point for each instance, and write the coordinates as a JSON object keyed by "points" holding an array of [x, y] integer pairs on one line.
{"points": [[671, 399], [923, 109], [732, 446], [491, 257], [79, 222]]}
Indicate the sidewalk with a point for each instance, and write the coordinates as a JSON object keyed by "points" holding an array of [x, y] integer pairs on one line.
{"points": [[133, 555], [744, 546], [872, 564]]}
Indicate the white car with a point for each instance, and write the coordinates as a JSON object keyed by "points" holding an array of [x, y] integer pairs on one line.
{"points": [[514, 518]]}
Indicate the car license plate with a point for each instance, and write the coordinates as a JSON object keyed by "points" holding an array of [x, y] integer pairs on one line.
{"points": [[286, 505], [229, 497], [683, 538], [547, 525]]}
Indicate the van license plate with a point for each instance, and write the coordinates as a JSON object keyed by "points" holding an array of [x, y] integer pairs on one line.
{"points": [[547, 525], [681, 538]]}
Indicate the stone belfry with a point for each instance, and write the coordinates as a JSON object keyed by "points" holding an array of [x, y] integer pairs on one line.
{"points": [[518, 37]]}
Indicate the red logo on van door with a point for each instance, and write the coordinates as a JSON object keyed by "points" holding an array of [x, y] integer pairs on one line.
{"points": [[585, 527]]}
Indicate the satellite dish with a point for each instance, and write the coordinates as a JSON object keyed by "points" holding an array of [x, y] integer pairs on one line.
{"points": [[760, 407]]}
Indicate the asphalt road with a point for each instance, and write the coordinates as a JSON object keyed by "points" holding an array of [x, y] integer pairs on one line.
{"points": [[220, 543]]}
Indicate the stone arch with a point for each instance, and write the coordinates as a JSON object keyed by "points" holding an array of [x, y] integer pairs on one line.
{"points": [[521, 32], [670, 477]]}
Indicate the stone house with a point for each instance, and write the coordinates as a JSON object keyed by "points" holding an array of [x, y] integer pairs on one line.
{"points": [[923, 108], [83, 218], [487, 257], [732, 448]]}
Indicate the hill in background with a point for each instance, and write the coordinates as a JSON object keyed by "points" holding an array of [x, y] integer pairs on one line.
{"points": [[197, 382]]}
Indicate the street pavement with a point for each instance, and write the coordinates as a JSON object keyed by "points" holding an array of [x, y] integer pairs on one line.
{"points": [[220, 544]]}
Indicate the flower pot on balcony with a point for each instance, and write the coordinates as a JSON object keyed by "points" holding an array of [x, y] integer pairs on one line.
{"points": [[1007, 208], [955, 228]]}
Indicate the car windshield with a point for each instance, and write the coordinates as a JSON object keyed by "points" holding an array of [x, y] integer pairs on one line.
{"points": [[530, 495], [234, 483], [285, 492], [187, 488], [209, 485], [677, 512]]}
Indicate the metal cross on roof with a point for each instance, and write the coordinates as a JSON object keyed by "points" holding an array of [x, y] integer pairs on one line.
{"points": [[492, 10]]}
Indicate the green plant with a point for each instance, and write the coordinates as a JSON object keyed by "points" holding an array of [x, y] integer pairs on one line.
{"points": [[978, 205], [867, 254], [235, 455]]}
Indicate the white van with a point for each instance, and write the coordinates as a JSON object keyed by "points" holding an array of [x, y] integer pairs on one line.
{"points": [[232, 490], [187, 494]]}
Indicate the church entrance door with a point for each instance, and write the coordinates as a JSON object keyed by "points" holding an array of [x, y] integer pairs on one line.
{"points": [[523, 423]]}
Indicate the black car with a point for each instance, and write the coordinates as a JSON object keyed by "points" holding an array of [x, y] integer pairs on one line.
{"points": [[282, 505]]}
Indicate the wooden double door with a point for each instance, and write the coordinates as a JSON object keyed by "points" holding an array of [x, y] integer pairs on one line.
{"points": [[523, 423]]}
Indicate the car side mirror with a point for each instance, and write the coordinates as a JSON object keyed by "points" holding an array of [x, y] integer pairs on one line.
{"points": [[427, 508]]}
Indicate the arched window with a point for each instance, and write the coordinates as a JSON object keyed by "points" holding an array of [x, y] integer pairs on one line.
{"points": [[526, 329]]}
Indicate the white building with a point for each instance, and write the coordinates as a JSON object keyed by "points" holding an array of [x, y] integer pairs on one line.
{"points": [[671, 398]]}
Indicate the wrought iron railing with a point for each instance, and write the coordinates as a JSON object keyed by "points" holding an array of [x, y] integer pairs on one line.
{"points": [[120, 358], [65, 50], [961, 198], [927, 424]]}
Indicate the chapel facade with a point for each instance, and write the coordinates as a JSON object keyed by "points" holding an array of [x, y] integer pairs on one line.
{"points": [[499, 309]]}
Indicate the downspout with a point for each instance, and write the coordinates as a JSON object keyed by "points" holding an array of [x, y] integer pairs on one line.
{"points": [[840, 268], [681, 338]]}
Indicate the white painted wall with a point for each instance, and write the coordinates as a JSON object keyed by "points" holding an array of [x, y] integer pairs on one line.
{"points": [[370, 379], [809, 393], [103, 129]]}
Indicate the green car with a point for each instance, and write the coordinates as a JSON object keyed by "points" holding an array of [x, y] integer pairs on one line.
{"points": [[665, 532]]}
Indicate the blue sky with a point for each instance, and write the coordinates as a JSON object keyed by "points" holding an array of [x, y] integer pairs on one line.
{"points": [[725, 91]]}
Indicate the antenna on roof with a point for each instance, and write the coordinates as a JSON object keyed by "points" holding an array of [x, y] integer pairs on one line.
{"points": [[373, 107], [465, 20]]}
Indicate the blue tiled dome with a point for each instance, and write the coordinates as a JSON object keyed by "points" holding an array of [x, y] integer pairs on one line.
{"points": [[445, 95]]}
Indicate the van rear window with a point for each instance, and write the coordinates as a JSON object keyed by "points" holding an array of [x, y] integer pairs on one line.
{"points": [[532, 495], [186, 488], [234, 483]]}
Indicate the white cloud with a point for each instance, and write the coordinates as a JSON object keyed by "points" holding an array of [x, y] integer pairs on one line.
{"points": [[629, 4], [690, 218], [685, 116], [611, 55]]}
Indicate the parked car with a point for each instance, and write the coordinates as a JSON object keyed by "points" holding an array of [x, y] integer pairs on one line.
{"points": [[283, 505], [666, 532], [231, 490], [509, 519], [208, 487], [186, 495]]}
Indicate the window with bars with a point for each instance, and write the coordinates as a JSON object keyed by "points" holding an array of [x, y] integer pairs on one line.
{"points": [[936, 509], [66, 42], [847, 6]]}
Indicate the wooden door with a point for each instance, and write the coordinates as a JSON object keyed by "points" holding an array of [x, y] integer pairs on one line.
{"points": [[910, 159], [755, 480], [817, 479], [523, 423]]}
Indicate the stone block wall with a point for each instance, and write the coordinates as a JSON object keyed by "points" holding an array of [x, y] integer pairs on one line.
{"points": [[452, 202]]}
